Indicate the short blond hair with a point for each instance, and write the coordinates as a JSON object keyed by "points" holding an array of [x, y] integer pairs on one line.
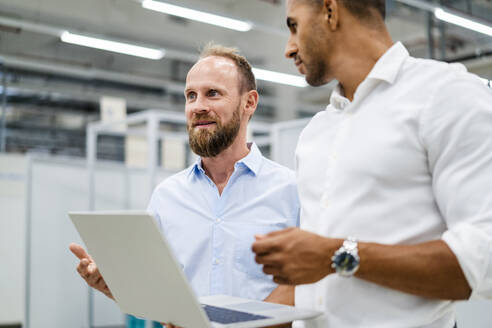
{"points": [[247, 78]]}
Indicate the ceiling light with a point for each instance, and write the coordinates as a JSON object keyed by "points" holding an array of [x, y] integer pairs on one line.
{"points": [[282, 78], [114, 46], [196, 15], [463, 22]]}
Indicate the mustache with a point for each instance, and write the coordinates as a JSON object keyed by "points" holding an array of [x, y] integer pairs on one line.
{"points": [[203, 117]]}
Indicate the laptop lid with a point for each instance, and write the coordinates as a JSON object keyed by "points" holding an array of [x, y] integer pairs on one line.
{"points": [[132, 254]]}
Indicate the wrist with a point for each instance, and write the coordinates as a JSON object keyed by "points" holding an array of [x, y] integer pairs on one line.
{"points": [[329, 247]]}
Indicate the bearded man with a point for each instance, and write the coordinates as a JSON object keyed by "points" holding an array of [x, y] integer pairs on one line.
{"points": [[211, 211]]}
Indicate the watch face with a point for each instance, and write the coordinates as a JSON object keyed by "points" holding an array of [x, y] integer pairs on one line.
{"points": [[345, 262]]}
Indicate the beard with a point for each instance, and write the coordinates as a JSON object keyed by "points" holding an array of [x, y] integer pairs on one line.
{"points": [[316, 68], [207, 143], [316, 74]]}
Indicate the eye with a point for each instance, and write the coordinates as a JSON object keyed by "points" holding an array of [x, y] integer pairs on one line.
{"points": [[292, 25], [190, 95], [212, 93]]}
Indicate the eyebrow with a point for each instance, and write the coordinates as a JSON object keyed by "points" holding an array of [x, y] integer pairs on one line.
{"points": [[218, 88]]}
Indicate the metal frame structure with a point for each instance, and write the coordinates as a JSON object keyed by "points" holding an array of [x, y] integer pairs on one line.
{"points": [[277, 128]]}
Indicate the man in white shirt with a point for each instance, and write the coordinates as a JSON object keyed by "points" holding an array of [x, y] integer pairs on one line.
{"points": [[394, 178]]}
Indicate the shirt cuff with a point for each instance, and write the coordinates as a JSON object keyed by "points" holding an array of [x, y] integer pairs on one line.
{"points": [[473, 249]]}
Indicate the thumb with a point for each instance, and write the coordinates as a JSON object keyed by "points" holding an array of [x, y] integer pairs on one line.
{"points": [[79, 251], [260, 237], [274, 233], [279, 232]]}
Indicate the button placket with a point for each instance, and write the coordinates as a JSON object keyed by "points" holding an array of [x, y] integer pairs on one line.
{"points": [[340, 136], [217, 270]]}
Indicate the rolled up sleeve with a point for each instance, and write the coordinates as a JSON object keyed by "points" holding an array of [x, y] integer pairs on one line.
{"points": [[458, 136], [473, 249]]}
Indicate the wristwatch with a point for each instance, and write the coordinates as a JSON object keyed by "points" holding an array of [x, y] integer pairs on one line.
{"points": [[346, 259]]}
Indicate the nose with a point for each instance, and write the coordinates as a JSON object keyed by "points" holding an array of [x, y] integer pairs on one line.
{"points": [[291, 48], [199, 106]]}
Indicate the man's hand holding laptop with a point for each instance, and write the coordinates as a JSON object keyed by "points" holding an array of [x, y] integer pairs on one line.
{"points": [[88, 270]]}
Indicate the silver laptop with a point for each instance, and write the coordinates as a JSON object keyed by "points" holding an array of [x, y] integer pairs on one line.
{"points": [[146, 280]]}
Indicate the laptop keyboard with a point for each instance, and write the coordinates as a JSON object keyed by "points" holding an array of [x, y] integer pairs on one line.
{"points": [[221, 315]]}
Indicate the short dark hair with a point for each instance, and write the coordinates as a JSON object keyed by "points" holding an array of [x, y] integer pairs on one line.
{"points": [[363, 9], [247, 78]]}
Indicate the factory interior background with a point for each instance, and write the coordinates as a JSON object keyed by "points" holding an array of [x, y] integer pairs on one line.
{"points": [[83, 128]]}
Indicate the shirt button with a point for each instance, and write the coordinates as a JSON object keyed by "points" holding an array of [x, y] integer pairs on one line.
{"points": [[325, 201], [320, 300], [217, 220], [216, 261]]}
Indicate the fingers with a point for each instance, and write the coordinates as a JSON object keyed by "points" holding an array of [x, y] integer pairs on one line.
{"points": [[170, 325], [271, 242], [272, 270], [281, 280], [89, 271], [265, 245], [79, 251], [93, 275], [273, 259], [280, 232], [260, 237], [82, 267]]}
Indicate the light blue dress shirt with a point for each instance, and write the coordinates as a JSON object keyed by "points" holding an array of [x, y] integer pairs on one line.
{"points": [[212, 234]]}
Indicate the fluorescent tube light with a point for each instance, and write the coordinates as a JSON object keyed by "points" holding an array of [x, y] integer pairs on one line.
{"points": [[196, 15], [114, 46], [282, 78], [463, 22]]}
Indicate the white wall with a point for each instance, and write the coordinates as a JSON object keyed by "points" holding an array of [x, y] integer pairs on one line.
{"points": [[12, 238], [57, 296], [284, 137]]}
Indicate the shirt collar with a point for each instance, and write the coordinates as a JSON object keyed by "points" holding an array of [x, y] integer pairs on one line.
{"points": [[252, 161], [388, 66], [385, 69]]}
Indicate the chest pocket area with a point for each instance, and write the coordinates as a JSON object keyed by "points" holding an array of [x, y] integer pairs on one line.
{"points": [[244, 258]]}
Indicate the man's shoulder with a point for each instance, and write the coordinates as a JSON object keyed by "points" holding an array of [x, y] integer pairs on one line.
{"points": [[178, 179], [448, 82], [439, 72]]}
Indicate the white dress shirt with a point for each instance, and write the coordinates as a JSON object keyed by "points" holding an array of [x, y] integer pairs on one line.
{"points": [[409, 160]]}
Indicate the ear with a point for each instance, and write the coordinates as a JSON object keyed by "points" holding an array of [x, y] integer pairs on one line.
{"points": [[331, 10], [251, 102]]}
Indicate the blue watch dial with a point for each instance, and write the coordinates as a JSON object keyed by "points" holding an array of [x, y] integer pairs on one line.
{"points": [[345, 262]]}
